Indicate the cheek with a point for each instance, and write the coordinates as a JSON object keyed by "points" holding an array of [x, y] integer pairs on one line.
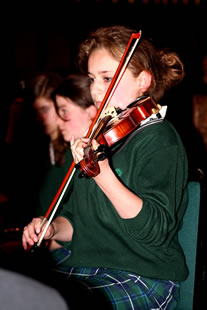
{"points": [[46, 121], [119, 99], [54, 116], [49, 117], [91, 90], [72, 127], [124, 95], [77, 128]]}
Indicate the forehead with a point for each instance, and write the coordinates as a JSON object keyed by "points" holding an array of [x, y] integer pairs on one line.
{"points": [[42, 101], [101, 60], [64, 101]]}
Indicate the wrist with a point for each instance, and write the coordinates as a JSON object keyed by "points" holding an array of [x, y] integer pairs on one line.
{"points": [[53, 232]]}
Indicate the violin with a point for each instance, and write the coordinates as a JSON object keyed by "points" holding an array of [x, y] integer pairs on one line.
{"points": [[110, 130]]}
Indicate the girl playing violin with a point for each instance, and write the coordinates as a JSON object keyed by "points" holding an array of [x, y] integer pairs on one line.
{"points": [[123, 223]]}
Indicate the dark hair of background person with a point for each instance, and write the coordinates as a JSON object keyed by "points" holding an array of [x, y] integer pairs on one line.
{"points": [[75, 87], [43, 85]]}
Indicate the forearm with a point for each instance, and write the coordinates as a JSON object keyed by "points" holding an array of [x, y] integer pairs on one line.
{"points": [[63, 230], [126, 203]]}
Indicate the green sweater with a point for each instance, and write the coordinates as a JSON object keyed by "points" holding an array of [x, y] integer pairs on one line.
{"points": [[51, 185], [153, 165]]}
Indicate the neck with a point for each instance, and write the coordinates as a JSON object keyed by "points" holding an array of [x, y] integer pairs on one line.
{"points": [[54, 135]]}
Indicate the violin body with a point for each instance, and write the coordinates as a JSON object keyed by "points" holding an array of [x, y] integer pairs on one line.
{"points": [[116, 129], [123, 124]]}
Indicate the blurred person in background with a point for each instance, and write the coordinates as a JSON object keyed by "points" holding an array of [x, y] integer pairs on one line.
{"points": [[32, 144], [67, 112], [75, 112]]}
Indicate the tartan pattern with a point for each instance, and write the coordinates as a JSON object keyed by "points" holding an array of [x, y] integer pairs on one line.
{"points": [[127, 291], [59, 256]]}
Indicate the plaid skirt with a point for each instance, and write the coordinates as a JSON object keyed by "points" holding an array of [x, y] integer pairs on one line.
{"points": [[121, 290], [60, 256]]}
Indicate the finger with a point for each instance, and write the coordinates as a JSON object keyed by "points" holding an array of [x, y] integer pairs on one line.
{"points": [[26, 238], [73, 144], [95, 144], [85, 140], [37, 225], [32, 231], [44, 234], [77, 150], [50, 232], [72, 140], [24, 243]]}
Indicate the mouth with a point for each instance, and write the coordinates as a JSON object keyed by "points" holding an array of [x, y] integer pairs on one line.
{"points": [[62, 131], [97, 103]]}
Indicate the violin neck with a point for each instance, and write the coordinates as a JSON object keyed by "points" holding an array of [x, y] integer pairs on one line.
{"points": [[102, 123]]}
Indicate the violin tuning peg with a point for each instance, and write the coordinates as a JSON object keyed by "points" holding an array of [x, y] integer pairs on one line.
{"points": [[101, 156]]}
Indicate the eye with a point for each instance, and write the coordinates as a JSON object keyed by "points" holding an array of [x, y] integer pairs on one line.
{"points": [[107, 79], [91, 79], [64, 114], [44, 110], [62, 111]]}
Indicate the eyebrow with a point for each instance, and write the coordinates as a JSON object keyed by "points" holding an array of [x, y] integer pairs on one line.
{"points": [[102, 72], [62, 105]]}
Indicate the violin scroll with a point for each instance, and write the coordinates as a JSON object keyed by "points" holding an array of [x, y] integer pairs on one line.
{"points": [[89, 166]]}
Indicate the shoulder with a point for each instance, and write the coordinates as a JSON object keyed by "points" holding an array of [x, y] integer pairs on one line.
{"points": [[157, 137], [162, 129]]}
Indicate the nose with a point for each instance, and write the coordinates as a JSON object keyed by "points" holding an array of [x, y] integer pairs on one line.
{"points": [[97, 88], [60, 123]]}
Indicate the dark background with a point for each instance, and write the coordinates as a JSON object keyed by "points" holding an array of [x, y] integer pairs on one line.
{"points": [[45, 37], [42, 36]]}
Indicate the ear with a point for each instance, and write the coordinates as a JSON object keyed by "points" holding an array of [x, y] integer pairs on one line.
{"points": [[91, 111], [144, 81]]}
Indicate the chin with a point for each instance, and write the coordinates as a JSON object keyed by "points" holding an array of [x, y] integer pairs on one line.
{"points": [[67, 139]]}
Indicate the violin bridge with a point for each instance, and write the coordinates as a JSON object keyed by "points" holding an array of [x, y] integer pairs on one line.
{"points": [[110, 111]]}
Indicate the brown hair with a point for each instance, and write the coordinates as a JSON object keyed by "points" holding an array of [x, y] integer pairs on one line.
{"points": [[77, 88], [43, 84], [165, 66]]}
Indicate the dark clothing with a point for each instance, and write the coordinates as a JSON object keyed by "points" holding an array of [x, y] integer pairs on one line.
{"points": [[154, 166]]}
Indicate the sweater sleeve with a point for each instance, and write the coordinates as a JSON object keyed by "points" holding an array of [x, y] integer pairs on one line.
{"points": [[160, 180]]}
